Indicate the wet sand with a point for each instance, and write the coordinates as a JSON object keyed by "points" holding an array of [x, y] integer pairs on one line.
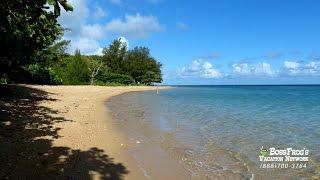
{"points": [[72, 135]]}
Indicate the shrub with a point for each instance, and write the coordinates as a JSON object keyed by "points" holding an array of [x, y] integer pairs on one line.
{"points": [[37, 74], [114, 78], [76, 71]]}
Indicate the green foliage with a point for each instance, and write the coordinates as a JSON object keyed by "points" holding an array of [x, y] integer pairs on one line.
{"points": [[55, 51], [30, 52], [72, 70], [137, 63], [114, 55], [77, 70], [37, 74], [142, 67], [43, 70], [57, 3], [26, 29], [108, 77], [150, 77]]}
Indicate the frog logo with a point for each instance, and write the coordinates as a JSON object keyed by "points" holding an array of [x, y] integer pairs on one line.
{"points": [[264, 152]]}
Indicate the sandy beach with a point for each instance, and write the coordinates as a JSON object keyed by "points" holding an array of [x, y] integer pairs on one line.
{"points": [[66, 132]]}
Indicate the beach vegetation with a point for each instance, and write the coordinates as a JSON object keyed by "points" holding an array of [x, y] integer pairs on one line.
{"points": [[27, 29], [32, 51]]}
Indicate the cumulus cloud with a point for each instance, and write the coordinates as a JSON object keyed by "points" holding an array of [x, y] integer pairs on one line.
{"points": [[293, 68], [263, 69], [93, 31], [82, 35], [200, 68], [313, 68], [257, 70], [135, 26], [205, 69], [209, 71], [75, 19], [240, 69], [79, 30], [99, 13], [289, 68], [87, 46]]}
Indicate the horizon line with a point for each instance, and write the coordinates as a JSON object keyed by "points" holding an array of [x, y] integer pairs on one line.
{"points": [[240, 85]]}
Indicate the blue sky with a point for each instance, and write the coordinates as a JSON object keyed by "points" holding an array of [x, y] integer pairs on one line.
{"points": [[208, 42]]}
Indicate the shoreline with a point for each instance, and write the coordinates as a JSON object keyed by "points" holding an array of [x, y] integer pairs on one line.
{"points": [[69, 132], [84, 127], [156, 124]]}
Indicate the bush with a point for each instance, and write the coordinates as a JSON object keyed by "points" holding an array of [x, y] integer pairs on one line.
{"points": [[114, 79], [74, 70], [37, 74]]}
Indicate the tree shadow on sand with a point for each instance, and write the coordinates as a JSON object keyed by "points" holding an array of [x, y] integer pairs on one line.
{"points": [[26, 154]]}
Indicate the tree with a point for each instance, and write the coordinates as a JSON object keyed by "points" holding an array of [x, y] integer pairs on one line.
{"points": [[26, 28], [77, 70], [57, 3], [53, 54], [109, 78], [114, 55], [143, 68], [151, 77], [95, 65]]}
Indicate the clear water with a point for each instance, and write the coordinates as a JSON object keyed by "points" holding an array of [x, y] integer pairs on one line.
{"points": [[217, 131]]}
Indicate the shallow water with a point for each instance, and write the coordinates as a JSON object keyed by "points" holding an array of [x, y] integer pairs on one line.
{"points": [[217, 131]]}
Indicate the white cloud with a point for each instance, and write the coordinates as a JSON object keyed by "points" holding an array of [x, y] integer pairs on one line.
{"points": [[207, 65], [313, 68], [93, 31], [98, 51], [87, 46], [124, 41], [135, 26], [205, 69], [291, 64], [75, 19], [99, 13], [292, 67], [195, 66], [263, 69], [241, 69], [200, 68], [82, 35], [209, 71]]}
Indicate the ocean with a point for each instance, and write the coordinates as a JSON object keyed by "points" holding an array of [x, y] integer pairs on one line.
{"points": [[219, 131]]}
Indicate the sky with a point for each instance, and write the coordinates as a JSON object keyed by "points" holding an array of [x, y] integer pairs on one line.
{"points": [[208, 42]]}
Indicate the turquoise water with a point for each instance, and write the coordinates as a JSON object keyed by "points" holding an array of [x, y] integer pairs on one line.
{"points": [[220, 129]]}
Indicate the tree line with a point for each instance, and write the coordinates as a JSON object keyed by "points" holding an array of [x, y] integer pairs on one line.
{"points": [[31, 51]]}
